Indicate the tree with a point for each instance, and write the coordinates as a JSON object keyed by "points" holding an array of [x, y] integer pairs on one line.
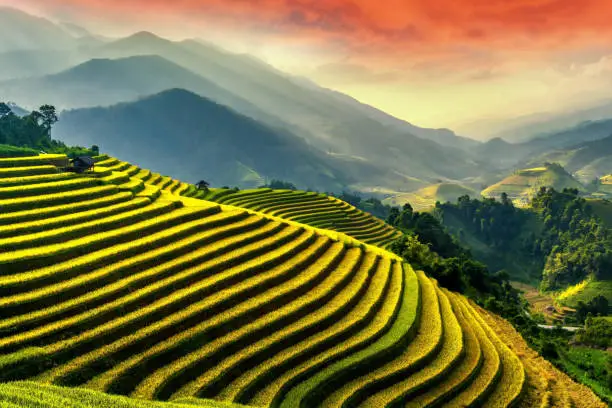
{"points": [[48, 116], [280, 185], [95, 149], [202, 185], [505, 200], [4, 109]]}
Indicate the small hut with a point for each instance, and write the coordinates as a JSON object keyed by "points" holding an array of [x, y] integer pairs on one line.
{"points": [[82, 163]]}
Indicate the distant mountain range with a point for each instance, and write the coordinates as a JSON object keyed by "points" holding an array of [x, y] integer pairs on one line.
{"points": [[537, 125], [69, 66], [509, 155]]}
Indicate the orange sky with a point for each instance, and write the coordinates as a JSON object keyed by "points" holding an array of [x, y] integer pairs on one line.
{"points": [[430, 61]]}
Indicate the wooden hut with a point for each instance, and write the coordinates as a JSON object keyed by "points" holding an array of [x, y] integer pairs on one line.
{"points": [[82, 163]]}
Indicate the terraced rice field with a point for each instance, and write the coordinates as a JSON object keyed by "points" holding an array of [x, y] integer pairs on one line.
{"points": [[317, 210], [112, 282]]}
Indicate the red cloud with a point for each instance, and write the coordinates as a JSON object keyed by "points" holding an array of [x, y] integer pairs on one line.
{"points": [[382, 29]]}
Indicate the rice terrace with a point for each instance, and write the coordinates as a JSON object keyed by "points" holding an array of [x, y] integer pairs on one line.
{"points": [[121, 281], [305, 203]]}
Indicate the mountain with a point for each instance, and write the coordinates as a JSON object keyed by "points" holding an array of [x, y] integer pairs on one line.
{"points": [[502, 153], [583, 132], [187, 136], [587, 161], [22, 31], [512, 155], [103, 82], [444, 137], [17, 110]]}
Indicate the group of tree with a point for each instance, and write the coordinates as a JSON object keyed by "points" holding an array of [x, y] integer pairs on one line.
{"points": [[570, 245], [598, 306], [574, 242], [279, 185], [33, 130], [427, 246]]}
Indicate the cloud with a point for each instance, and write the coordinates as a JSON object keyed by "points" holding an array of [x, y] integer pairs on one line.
{"points": [[601, 68], [405, 34]]}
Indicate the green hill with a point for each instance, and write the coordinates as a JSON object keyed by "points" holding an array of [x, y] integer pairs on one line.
{"points": [[425, 198], [116, 281], [523, 184]]}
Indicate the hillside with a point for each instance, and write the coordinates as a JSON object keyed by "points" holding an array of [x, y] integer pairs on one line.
{"points": [[523, 184], [209, 141], [425, 198], [179, 297]]}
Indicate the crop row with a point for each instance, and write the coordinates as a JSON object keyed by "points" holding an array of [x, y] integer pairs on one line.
{"points": [[182, 308], [313, 388], [278, 374], [30, 161], [74, 207], [343, 328], [283, 274], [104, 265], [39, 178], [77, 230], [324, 306], [23, 260], [314, 209], [28, 190], [402, 361], [75, 255], [464, 373], [106, 287]]}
